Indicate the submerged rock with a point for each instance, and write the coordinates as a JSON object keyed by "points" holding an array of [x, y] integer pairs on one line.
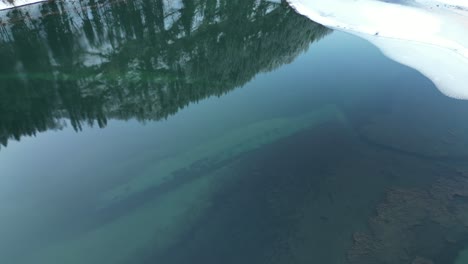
{"points": [[415, 222]]}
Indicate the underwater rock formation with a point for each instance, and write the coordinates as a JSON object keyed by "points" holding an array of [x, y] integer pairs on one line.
{"points": [[416, 225]]}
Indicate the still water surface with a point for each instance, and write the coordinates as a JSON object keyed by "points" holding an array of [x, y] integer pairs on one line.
{"points": [[220, 132]]}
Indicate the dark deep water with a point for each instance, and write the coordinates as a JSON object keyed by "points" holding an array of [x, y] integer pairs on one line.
{"points": [[225, 131]]}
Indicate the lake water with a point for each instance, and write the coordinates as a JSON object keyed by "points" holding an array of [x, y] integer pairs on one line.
{"points": [[203, 131]]}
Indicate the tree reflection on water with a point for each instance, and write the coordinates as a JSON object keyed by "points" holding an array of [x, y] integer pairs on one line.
{"points": [[88, 61]]}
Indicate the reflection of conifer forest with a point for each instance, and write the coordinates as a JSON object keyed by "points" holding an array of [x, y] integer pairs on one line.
{"points": [[91, 60]]}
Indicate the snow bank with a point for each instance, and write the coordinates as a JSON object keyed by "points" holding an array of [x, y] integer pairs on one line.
{"points": [[453, 3], [428, 35], [5, 4]]}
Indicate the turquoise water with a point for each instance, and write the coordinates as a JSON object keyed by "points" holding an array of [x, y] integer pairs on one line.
{"points": [[220, 132]]}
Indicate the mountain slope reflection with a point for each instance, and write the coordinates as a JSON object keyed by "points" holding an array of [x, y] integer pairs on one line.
{"points": [[89, 61]]}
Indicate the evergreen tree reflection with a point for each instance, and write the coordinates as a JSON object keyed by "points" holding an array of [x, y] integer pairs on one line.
{"points": [[88, 61]]}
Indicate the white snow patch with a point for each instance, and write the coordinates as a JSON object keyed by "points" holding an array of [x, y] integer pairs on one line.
{"points": [[427, 35], [4, 4], [455, 3]]}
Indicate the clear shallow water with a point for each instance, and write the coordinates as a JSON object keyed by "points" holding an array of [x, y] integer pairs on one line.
{"points": [[230, 132], [429, 35]]}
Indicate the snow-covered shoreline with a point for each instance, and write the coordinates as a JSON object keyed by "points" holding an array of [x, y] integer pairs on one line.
{"points": [[423, 34], [4, 4], [449, 3]]}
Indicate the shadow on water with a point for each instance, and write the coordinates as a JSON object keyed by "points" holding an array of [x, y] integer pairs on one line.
{"points": [[90, 61]]}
